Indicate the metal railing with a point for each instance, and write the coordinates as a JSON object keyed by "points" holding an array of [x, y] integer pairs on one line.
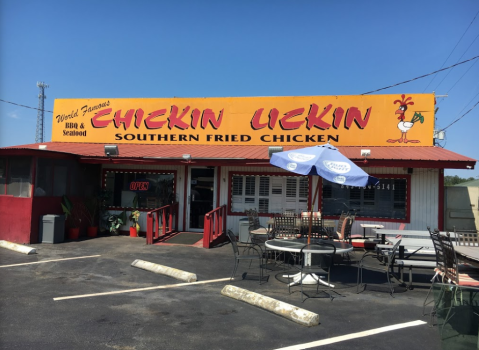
{"points": [[164, 219], [214, 227]]}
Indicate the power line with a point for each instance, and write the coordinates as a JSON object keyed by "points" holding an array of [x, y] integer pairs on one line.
{"points": [[472, 65], [435, 89], [16, 104], [422, 76], [465, 106], [453, 48], [462, 116]]}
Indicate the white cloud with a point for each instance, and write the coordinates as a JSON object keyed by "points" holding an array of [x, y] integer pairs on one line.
{"points": [[13, 115]]}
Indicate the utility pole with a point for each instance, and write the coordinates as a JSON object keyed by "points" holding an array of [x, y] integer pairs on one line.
{"points": [[39, 135], [437, 134]]}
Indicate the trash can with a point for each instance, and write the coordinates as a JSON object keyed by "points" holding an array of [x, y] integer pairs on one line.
{"points": [[52, 229], [243, 230]]}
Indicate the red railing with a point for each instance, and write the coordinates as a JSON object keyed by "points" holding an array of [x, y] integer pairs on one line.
{"points": [[214, 227], [161, 219]]}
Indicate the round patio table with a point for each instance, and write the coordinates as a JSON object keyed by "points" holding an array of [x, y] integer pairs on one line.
{"points": [[295, 245]]}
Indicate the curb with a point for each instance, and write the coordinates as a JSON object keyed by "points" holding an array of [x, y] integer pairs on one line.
{"points": [[291, 312], [18, 247], [165, 270]]}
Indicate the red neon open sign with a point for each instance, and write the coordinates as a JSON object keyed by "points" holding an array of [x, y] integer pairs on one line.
{"points": [[139, 185]]}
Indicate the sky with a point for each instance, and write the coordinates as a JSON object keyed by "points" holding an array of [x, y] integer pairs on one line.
{"points": [[154, 48]]}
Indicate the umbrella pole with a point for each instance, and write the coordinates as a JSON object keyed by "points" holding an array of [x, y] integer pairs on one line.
{"points": [[311, 214]]}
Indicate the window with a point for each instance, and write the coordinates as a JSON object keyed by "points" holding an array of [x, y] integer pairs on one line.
{"points": [[56, 177], [388, 200], [151, 190], [268, 194], [17, 177]]}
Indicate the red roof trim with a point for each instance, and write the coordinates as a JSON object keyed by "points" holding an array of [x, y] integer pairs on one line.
{"points": [[415, 157]]}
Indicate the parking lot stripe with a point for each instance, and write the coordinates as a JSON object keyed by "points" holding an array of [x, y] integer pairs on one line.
{"points": [[141, 289], [354, 335], [45, 261]]}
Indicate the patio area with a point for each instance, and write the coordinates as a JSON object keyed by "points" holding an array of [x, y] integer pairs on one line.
{"points": [[195, 316]]}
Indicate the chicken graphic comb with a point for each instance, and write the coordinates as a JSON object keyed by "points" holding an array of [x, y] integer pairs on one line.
{"points": [[404, 102]]}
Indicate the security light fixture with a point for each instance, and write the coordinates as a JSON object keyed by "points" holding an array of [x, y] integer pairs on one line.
{"points": [[111, 150], [365, 152], [186, 159], [274, 149]]}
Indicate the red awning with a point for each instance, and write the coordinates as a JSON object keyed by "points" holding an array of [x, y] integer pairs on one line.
{"points": [[412, 157]]}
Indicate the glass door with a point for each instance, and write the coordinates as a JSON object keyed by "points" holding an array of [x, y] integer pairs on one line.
{"points": [[201, 197]]}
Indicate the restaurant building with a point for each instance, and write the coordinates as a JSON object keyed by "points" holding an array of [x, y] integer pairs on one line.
{"points": [[207, 153]]}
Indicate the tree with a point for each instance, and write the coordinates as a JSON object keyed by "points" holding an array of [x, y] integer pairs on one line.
{"points": [[454, 180]]}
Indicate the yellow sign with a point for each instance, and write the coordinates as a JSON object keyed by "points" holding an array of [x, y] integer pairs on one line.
{"points": [[376, 120]]}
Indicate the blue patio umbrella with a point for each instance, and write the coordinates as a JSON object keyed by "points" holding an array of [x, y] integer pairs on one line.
{"points": [[325, 161]]}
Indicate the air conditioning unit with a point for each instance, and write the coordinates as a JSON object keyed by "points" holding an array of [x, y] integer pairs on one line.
{"points": [[244, 230]]}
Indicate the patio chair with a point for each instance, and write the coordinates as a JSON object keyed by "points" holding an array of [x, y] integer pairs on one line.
{"points": [[250, 248], [329, 227], [466, 277], [386, 268], [466, 237], [320, 266], [345, 234], [285, 227], [317, 229], [439, 272], [343, 216], [352, 218], [289, 212], [456, 273], [259, 234], [256, 230]]}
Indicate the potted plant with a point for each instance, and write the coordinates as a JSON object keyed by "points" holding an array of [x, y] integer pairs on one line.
{"points": [[116, 220], [135, 226], [92, 206], [134, 218], [72, 217]]}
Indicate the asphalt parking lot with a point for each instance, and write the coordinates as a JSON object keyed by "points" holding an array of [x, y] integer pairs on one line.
{"points": [[194, 316]]}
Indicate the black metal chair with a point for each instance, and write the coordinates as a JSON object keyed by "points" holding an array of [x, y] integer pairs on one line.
{"points": [[317, 229], [289, 212], [285, 227], [439, 272], [467, 277], [387, 268], [321, 265], [249, 248], [258, 233], [466, 237]]}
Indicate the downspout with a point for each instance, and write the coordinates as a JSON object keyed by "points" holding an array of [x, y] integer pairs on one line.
{"points": [[441, 201]]}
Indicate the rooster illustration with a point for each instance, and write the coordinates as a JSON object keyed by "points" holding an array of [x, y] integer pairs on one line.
{"points": [[405, 126]]}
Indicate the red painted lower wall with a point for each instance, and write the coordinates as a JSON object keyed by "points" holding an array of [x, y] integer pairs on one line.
{"points": [[20, 217], [15, 219]]}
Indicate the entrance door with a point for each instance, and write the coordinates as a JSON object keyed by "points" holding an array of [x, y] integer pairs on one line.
{"points": [[201, 197]]}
